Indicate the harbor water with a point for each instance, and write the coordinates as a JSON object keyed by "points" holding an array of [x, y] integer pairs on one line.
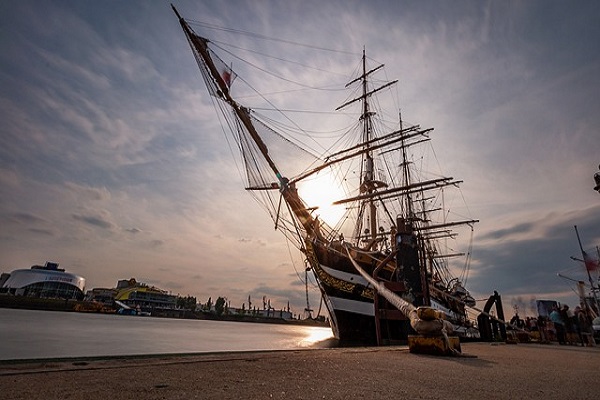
{"points": [[32, 334]]}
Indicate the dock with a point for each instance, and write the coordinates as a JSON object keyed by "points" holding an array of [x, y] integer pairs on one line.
{"points": [[491, 371]]}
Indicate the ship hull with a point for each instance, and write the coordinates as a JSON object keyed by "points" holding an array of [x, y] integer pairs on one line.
{"points": [[350, 301]]}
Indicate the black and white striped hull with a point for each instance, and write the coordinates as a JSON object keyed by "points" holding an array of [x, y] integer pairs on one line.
{"points": [[349, 300]]}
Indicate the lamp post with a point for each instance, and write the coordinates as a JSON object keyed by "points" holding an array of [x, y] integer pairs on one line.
{"points": [[597, 180]]}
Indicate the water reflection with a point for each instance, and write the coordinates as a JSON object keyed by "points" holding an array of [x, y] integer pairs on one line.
{"points": [[47, 334], [317, 337]]}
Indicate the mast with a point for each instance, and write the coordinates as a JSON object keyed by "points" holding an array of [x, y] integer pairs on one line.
{"points": [[369, 174], [586, 260], [406, 174], [368, 180], [288, 190], [200, 44]]}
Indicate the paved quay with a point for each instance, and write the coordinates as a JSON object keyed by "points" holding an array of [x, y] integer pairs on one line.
{"points": [[495, 371]]}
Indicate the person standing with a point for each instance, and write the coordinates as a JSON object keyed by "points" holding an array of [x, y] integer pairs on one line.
{"points": [[586, 329], [559, 325], [567, 317]]}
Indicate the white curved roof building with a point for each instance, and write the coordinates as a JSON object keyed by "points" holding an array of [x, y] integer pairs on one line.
{"points": [[48, 281]]}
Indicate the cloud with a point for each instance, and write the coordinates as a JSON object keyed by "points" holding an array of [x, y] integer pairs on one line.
{"points": [[525, 258], [95, 220], [156, 243], [113, 161], [27, 218], [522, 228], [42, 231], [86, 194]]}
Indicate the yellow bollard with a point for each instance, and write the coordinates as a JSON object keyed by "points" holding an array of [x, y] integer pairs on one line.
{"points": [[434, 345]]}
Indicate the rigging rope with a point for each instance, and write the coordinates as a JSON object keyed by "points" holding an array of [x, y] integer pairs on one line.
{"points": [[264, 37], [266, 71], [287, 61]]}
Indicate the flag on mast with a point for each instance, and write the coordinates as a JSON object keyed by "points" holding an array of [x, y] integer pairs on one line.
{"points": [[227, 75], [591, 264]]}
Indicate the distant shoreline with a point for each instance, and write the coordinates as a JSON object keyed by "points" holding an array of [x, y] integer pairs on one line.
{"points": [[69, 305]]}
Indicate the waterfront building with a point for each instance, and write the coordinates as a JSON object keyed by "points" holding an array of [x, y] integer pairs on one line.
{"points": [[141, 296], [47, 281], [105, 296]]}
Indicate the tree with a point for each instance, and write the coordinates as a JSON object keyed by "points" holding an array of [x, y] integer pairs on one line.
{"points": [[220, 306], [186, 303]]}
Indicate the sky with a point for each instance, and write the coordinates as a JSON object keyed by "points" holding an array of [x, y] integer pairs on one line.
{"points": [[113, 163]]}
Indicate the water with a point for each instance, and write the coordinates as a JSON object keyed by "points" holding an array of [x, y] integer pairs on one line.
{"points": [[26, 334]]}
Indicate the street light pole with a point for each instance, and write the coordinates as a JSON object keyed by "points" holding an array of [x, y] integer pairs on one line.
{"points": [[597, 180]]}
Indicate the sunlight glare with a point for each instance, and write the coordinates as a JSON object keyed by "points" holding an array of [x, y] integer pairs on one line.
{"points": [[316, 335], [321, 191]]}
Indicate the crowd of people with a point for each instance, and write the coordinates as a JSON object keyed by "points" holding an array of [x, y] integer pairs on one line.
{"points": [[574, 327]]}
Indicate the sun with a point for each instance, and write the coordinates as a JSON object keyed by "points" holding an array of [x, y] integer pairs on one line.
{"points": [[320, 191]]}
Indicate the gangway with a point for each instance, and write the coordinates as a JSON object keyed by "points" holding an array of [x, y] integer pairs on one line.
{"points": [[122, 305]]}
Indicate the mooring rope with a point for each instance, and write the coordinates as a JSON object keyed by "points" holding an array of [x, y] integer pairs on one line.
{"points": [[429, 327], [404, 306]]}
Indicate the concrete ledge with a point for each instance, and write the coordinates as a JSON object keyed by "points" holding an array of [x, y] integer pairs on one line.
{"points": [[499, 371]]}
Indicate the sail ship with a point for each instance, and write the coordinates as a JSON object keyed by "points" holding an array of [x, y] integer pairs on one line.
{"points": [[387, 231]]}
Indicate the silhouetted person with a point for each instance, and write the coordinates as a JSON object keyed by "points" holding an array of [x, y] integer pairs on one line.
{"points": [[559, 325], [567, 316], [586, 330]]}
